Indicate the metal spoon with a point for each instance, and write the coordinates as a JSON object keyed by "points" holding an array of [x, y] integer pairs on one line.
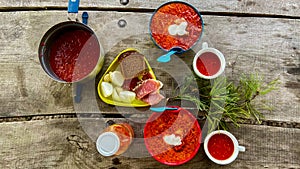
{"points": [[162, 109]]}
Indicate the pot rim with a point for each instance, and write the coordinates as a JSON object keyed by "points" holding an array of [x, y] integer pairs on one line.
{"points": [[46, 40]]}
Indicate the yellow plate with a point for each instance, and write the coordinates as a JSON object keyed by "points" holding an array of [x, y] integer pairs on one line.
{"points": [[113, 66]]}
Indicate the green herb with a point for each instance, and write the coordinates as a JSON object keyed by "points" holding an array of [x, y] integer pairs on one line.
{"points": [[224, 101]]}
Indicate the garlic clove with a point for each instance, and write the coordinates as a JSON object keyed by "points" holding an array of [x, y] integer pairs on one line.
{"points": [[119, 89], [117, 78], [106, 89], [127, 96], [107, 78], [115, 96]]}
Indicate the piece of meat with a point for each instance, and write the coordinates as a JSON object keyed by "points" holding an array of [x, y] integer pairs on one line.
{"points": [[130, 84], [153, 98], [146, 87], [146, 75]]}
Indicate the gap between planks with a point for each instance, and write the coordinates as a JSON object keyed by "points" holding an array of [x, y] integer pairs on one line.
{"points": [[146, 10], [272, 123]]}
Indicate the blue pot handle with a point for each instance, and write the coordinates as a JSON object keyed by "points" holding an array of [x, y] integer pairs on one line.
{"points": [[85, 17], [73, 6], [77, 96], [79, 85]]}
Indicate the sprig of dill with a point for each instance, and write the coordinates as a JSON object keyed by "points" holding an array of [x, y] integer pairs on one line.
{"points": [[224, 101]]}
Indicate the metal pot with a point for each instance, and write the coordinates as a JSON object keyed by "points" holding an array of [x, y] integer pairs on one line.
{"points": [[59, 30]]}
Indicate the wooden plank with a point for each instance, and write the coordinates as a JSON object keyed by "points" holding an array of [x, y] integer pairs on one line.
{"points": [[62, 143], [24, 87], [264, 7], [269, 46]]}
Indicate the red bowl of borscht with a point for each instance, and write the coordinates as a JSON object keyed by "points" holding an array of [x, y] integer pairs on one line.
{"points": [[176, 25], [172, 137], [70, 52]]}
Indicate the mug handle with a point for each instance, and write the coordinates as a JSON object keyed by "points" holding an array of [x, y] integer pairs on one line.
{"points": [[241, 148], [204, 45]]}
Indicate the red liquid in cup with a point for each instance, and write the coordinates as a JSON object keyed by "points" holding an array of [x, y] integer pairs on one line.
{"points": [[208, 64], [220, 146], [74, 55]]}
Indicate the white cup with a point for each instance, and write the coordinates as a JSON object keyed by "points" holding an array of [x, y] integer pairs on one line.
{"points": [[206, 49], [236, 148]]}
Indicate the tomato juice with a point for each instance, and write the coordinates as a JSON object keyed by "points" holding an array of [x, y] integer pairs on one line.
{"points": [[220, 146], [208, 64]]}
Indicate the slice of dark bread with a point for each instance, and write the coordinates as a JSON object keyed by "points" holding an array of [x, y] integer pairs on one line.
{"points": [[132, 65]]}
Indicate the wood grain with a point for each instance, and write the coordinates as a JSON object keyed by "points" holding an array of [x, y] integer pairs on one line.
{"points": [[39, 128], [62, 143], [269, 46], [263, 7]]}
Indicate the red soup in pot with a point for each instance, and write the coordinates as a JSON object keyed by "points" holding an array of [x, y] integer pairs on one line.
{"points": [[176, 13], [74, 55], [220, 146]]}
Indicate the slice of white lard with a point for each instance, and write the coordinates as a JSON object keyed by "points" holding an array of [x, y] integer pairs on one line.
{"points": [[172, 140]]}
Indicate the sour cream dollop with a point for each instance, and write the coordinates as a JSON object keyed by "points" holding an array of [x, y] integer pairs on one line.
{"points": [[172, 140], [179, 28]]}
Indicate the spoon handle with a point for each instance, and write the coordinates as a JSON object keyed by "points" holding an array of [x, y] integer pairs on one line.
{"points": [[171, 108], [166, 57], [162, 109]]}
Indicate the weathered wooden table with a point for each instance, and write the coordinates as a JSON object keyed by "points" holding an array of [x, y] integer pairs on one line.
{"points": [[41, 126]]}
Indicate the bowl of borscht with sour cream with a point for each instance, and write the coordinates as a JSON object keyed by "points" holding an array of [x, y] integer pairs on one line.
{"points": [[172, 137], [176, 26]]}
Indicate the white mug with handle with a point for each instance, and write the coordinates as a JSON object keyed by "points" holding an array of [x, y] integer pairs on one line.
{"points": [[209, 63], [212, 149]]}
